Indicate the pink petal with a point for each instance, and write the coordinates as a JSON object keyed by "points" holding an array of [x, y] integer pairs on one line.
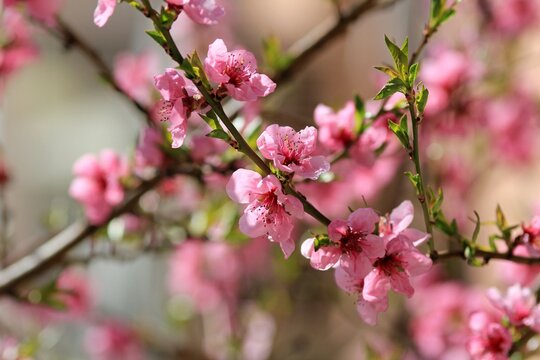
{"points": [[104, 10], [376, 286], [363, 220], [242, 184], [402, 216]]}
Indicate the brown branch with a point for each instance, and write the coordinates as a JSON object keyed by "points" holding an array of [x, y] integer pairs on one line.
{"points": [[55, 248], [487, 256], [303, 51]]}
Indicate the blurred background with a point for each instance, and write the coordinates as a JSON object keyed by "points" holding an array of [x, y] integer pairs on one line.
{"points": [[57, 109]]}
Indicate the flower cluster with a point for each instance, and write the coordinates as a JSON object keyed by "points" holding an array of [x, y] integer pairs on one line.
{"points": [[367, 264]]}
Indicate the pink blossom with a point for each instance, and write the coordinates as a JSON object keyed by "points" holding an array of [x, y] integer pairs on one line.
{"points": [[43, 10], [353, 182], [531, 235], [375, 137], [104, 10], [397, 224], [392, 271], [292, 151], [111, 341], [236, 72], [489, 340], [148, 152], [206, 12], [17, 49], [336, 129], [509, 17], [269, 211], [97, 184], [207, 272], [519, 305], [133, 74], [180, 99], [352, 245], [439, 318], [10, 349], [76, 292], [203, 148], [354, 284], [519, 273], [511, 122]]}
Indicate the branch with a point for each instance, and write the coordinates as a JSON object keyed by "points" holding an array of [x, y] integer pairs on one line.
{"points": [[303, 51], [486, 256], [55, 248]]}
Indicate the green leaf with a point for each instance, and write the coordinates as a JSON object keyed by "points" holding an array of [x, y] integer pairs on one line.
{"points": [[321, 241], [422, 99], [157, 36], [393, 86], [476, 228], [401, 131], [167, 17], [500, 219], [211, 119], [413, 73], [360, 114], [400, 58], [273, 55], [219, 134], [405, 48], [387, 70], [492, 244], [415, 180], [436, 9], [445, 16], [198, 69]]}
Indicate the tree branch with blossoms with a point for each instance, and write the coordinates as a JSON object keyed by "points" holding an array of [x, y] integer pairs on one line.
{"points": [[371, 254]]}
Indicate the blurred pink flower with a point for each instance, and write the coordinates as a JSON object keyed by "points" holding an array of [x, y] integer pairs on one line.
{"points": [[512, 122], [509, 17], [269, 211], [207, 272], [112, 341], [439, 318], [76, 291], [522, 274], [353, 246], [206, 12], [97, 184], [489, 340], [148, 153], [104, 10], [293, 152], [42, 10], [180, 99], [17, 49], [236, 72], [518, 304], [134, 75], [336, 129]]}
